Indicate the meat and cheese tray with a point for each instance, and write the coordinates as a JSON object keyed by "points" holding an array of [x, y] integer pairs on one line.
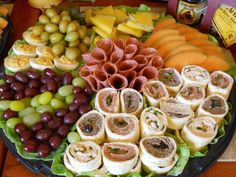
{"points": [[116, 91]]}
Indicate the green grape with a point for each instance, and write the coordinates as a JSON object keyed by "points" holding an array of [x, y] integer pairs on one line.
{"points": [[66, 17], [31, 119], [45, 98], [72, 53], [58, 49], [38, 29], [2, 81], [35, 101], [51, 12], [51, 28], [72, 36], [65, 90], [74, 44], [17, 105], [4, 104], [83, 48], [69, 99], [26, 101], [45, 36], [63, 26], [73, 137], [56, 37], [78, 81], [56, 103], [56, 19], [72, 26], [11, 123], [64, 13], [44, 108], [82, 31], [86, 40], [26, 111], [44, 19], [58, 96]]}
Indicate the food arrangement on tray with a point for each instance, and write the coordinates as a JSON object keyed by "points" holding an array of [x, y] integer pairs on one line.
{"points": [[114, 91]]}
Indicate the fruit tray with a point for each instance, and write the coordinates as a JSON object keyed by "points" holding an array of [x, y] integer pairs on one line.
{"points": [[194, 168]]}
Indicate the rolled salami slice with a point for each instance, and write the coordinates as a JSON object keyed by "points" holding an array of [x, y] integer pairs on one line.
{"points": [[156, 61], [138, 83], [150, 72], [93, 67], [119, 44], [84, 72], [118, 81], [82, 156], [158, 154], [107, 101], [131, 101], [191, 95], [127, 66], [99, 55], [117, 57], [88, 59], [199, 132], [220, 83], [101, 77], [106, 45], [94, 84], [91, 127], [177, 113], [193, 74], [122, 127], [132, 40], [171, 78], [109, 68], [120, 158], [130, 51], [214, 106], [141, 60], [154, 91], [148, 52], [131, 75], [153, 122]]}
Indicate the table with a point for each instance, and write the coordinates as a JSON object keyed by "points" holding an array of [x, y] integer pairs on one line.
{"points": [[24, 16]]}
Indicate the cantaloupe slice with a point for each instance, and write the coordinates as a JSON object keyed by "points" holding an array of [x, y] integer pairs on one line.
{"points": [[163, 50], [211, 48], [3, 11], [104, 22], [195, 36], [183, 29], [213, 63], [202, 42], [180, 49], [164, 23], [3, 23], [169, 38], [156, 35], [185, 58]]}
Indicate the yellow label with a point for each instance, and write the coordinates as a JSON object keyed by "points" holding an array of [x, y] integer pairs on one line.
{"points": [[224, 22]]}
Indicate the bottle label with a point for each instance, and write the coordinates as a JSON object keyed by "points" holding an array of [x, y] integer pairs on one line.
{"points": [[190, 13], [224, 24]]}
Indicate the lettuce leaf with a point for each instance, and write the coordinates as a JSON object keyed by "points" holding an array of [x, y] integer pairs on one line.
{"points": [[144, 8], [184, 154], [201, 153]]}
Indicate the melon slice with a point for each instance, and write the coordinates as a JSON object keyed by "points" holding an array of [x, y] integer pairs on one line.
{"points": [[180, 49], [156, 35], [195, 36], [164, 23], [169, 38], [202, 42], [128, 30], [165, 49], [185, 58], [104, 22], [213, 63], [183, 29]]}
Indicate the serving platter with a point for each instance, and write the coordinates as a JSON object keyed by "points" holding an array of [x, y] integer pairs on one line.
{"points": [[194, 167]]}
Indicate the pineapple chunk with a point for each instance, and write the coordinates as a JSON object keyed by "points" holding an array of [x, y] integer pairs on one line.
{"points": [[106, 11], [104, 34], [104, 22], [121, 15], [141, 20], [88, 14], [128, 30]]}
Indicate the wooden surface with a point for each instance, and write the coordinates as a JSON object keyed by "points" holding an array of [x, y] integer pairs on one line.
{"points": [[23, 16]]}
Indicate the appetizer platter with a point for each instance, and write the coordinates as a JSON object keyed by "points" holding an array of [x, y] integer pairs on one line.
{"points": [[116, 91]]}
